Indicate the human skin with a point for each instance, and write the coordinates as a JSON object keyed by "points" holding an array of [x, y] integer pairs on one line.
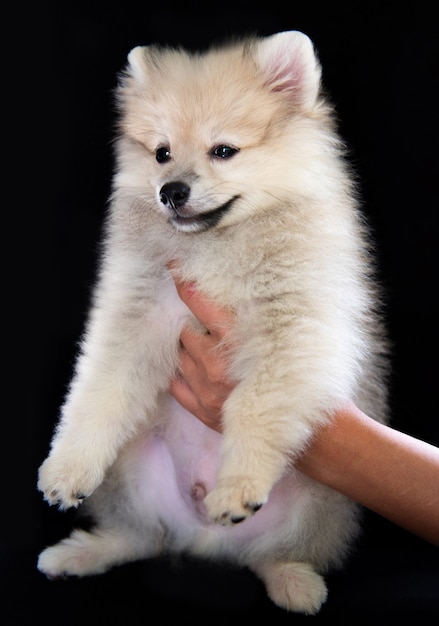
{"points": [[385, 470]]}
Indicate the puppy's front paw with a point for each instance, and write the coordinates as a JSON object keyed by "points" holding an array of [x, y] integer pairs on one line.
{"points": [[235, 499], [67, 482]]}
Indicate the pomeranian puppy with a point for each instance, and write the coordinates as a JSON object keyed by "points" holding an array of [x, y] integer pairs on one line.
{"points": [[229, 163]]}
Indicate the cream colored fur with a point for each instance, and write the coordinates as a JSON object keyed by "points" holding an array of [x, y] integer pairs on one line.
{"points": [[287, 250]]}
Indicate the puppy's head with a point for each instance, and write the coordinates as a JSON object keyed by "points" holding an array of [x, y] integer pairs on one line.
{"points": [[209, 139]]}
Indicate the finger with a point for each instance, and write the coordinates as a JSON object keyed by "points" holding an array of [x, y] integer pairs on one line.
{"points": [[204, 366], [184, 395], [188, 366], [199, 346], [207, 379], [215, 318], [180, 390]]}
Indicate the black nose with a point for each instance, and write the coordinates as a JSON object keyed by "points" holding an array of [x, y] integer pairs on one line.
{"points": [[174, 194]]}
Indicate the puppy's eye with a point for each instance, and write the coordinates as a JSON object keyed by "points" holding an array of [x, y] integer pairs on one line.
{"points": [[224, 152], [162, 154]]}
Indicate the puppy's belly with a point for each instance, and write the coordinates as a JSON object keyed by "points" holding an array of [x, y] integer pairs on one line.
{"points": [[174, 470]]}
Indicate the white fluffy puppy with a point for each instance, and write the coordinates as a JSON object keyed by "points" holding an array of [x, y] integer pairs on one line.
{"points": [[229, 163]]}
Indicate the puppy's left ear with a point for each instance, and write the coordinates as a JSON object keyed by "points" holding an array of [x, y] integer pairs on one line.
{"points": [[289, 63], [137, 64]]}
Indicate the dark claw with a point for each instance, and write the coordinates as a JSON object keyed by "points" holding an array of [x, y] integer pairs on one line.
{"points": [[80, 496], [256, 507], [58, 577], [238, 520]]}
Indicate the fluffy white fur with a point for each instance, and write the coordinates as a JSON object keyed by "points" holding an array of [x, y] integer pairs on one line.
{"points": [[270, 229]]}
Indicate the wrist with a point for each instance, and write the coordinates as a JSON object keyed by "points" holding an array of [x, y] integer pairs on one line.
{"points": [[333, 452]]}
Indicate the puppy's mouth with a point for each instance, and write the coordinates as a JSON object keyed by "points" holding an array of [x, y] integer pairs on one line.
{"points": [[184, 221]]}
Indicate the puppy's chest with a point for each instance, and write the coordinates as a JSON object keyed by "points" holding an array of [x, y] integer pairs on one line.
{"points": [[223, 271]]}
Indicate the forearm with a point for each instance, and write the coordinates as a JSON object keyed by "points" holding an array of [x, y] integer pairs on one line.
{"points": [[387, 471]]}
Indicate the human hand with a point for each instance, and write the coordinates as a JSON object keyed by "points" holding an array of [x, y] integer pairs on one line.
{"points": [[203, 383]]}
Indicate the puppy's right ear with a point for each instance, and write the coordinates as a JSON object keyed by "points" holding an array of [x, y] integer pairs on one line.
{"points": [[137, 65]]}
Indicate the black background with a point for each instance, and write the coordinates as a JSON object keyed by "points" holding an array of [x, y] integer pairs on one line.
{"points": [[380, 66]]}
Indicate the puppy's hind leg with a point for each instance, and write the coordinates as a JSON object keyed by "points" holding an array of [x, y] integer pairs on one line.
{"points": [[87, 553], [294, 586]]}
